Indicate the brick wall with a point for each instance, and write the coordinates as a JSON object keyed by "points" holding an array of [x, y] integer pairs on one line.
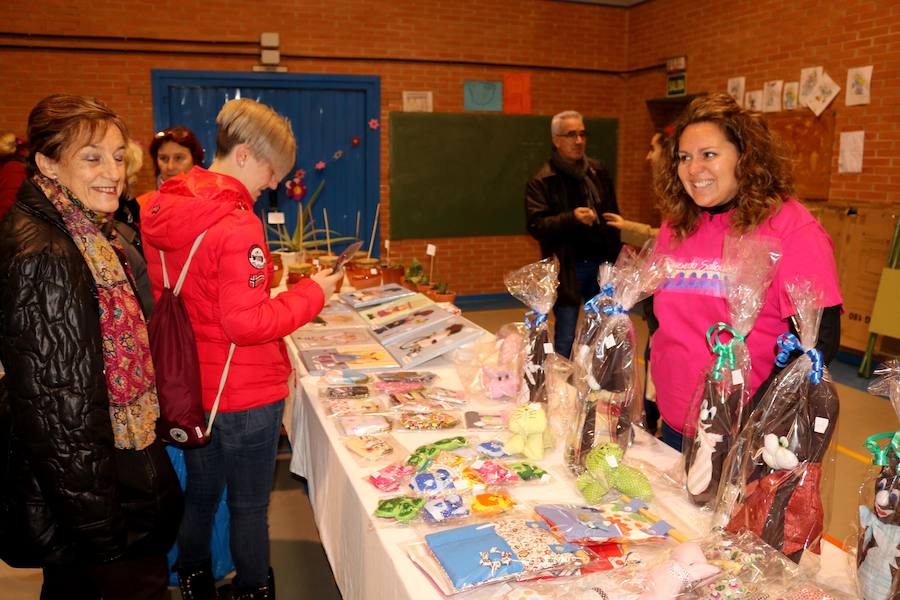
{"points": [[761, 40]]}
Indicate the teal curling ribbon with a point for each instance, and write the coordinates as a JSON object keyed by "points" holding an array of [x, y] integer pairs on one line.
{"points": [[880, 456], [724, 351], [534, 319], [787, 343]]}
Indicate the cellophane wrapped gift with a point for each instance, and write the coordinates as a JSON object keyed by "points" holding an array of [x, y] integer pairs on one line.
{"points": [[535, 285], [561, 395], [592, 321], [606, 370], [772, 476], [714, 417], [492, 369], [878, 543]]}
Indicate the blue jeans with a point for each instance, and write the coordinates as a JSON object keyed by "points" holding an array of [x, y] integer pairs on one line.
{"points": [[670, 437], [567, 316], [241, 453]]}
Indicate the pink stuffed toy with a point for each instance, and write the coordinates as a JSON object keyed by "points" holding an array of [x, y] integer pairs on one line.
{"points": [[502, 380], [686, 568]]}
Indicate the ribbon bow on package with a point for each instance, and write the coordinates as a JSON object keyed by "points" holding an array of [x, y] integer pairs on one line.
{"points": [[535, 285], [771, 477], [714, 416], [878, 546], [608, 383]]}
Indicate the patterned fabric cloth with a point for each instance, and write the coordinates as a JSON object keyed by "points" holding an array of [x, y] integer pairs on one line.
{"points": [[130, 379]]}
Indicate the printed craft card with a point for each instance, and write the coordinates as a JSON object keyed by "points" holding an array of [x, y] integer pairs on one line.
{"points": [[402, 327], [619, 521], [334, 319], [360, 357], [433, 341], [379, 314], [307, 339], [375, 295]]}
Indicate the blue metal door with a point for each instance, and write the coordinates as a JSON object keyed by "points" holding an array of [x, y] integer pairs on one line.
{"points": [[335, 119]]}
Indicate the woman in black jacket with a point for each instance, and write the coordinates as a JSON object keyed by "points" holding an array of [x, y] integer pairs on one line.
{"points": [[86, 491]]}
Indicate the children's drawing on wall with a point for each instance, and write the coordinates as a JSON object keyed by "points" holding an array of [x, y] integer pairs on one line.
{"points": [[753, 100], [809, 77], [859, 81], [772, 95], [825, 91], [790, 95], [736, 89]]}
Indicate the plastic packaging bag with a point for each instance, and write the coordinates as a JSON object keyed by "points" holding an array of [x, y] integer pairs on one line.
{"points": [[772, 475], [714, 417], [879, 518], [607, 378], [535, 285], [561, 395], [500, 363]]}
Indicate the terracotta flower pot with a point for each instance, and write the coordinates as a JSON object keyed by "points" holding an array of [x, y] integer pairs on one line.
{"points": [[409, 285], [442, 297], [424, 287], [298, 272], [277, 270], [392, 274]]}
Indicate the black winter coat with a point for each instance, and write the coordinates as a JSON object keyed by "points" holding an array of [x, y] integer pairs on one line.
{"points": [[551, 198], [67, 495]]}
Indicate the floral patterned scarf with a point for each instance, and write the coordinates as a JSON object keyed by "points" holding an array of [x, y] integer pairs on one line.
{"points": [[130, 380]]}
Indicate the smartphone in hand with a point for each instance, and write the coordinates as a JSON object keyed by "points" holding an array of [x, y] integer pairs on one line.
{"points": [[346, 255]]}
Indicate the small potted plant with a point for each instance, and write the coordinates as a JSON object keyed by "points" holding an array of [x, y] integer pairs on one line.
{"points": [[305, 239], [441, 293], [415, 274]]}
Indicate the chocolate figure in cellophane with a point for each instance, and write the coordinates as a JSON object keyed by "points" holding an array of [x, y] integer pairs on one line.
{"points": [[714, 417], [772, 476], [878, 551], [535, 285], [607, 379]]}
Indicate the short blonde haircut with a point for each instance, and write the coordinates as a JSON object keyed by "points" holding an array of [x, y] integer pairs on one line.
{"points": [[134, 160], [7, 144], [268, 134]]}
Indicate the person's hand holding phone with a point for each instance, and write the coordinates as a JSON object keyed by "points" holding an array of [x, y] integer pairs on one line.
{"points": [[328, 279]]}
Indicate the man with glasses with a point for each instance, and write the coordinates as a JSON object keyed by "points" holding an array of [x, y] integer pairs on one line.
{"points": [[563, 204]]}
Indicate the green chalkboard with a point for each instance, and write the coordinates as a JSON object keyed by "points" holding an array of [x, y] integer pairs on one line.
{"points": [[458, 174]]}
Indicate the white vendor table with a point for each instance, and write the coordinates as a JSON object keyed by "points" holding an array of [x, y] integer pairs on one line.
{"points": [[369, 561]]}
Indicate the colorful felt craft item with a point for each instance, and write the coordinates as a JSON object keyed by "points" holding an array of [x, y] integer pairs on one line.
{"points": [[492, 448], [400, 508], [619, 521], [528, 471], [439, 510], [492, 504], [427, 422], [389, 478]]}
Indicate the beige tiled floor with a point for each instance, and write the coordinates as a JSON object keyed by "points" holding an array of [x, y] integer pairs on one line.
{"points": [[302, 570]]}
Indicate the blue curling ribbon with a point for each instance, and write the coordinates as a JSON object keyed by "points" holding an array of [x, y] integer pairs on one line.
{"points": [[724, 351], [591, 306], [787, 343], [615, 309], [607, 290], [534, 319]]}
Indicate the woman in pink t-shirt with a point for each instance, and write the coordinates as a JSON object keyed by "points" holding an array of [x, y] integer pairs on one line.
{"points": [[724, 172]]}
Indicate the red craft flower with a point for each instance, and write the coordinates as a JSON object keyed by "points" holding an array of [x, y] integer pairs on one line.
{"points": [[374, 124], [354, 141], [300, 174], [296, 189], [320, 166], [337, 155]]}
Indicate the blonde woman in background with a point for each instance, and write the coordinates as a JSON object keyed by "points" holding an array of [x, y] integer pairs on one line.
{"points": [[13, 152]]}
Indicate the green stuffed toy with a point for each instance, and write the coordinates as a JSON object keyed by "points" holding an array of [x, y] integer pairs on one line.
{"points": [[528, 424], [604, 470]]}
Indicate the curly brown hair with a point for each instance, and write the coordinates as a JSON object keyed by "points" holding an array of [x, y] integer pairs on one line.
{"points": [[763, 171]]}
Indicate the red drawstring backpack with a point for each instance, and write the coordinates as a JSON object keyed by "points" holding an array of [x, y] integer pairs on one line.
{"points": [[182, 421]]}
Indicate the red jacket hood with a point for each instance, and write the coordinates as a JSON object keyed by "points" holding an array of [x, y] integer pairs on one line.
{"points": [[189, 204]]}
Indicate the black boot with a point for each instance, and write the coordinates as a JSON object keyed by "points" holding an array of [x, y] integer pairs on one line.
{"points": [[197, 583], [266, 592]]}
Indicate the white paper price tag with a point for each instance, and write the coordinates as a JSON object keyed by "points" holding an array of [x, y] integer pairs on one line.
{"points": [[387, 244], [373, 271], [275, 218], [736, 377], [430, 249], [821, 425], [609, 341], [611, 460], [548, 348]]}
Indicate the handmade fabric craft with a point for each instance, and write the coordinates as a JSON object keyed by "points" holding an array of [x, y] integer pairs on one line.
{"points": [[364, 425], [512, 548], [492, 448], [535, 285], [337, 408], [715, 414], [492, 504], [685, 569], [604, 469], [427, 421], [424, 455], [619, 521], [345, 392], [347, 377], [501, 375], [773, 489], [528, 424], [440, 394], [400, 508], [415, 401], [528, 471], [391, 477], [369, 447], [435, 482], [490, 472], [445, 509]]}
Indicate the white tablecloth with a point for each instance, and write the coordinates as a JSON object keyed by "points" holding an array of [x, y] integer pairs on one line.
{"points": [[370, 562]]}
